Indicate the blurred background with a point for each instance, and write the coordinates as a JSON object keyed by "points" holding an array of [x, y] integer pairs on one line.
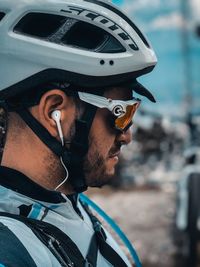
{"points": [[155, 197]]}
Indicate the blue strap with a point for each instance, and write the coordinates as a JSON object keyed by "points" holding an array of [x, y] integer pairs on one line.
{"points": [[114, 226]]}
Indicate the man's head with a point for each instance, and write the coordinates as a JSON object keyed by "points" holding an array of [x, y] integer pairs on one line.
{"points": [[104, 140], [58, 52]]}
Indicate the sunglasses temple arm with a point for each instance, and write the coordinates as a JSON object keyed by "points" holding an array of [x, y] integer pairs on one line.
{"points": [[98, 101]]}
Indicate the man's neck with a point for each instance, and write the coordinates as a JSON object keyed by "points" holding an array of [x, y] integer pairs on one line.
{"points": [[45, 169]]}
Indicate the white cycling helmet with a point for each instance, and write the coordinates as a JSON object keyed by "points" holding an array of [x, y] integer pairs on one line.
{"points": [[88, 43]]}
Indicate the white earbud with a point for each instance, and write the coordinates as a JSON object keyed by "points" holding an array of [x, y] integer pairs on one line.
{"points": [[56, 116]]}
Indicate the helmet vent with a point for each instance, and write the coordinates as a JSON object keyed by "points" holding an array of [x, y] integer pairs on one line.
{"points": [[87, 36], [39, 24], [2, 14]]}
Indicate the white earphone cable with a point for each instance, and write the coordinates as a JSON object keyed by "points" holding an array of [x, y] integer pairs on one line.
{"points": [[66, 177], [61, 160]]}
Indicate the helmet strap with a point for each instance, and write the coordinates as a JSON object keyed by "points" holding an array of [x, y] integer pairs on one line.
{"points": [[73, 158], [50, 141], [78, 149]]}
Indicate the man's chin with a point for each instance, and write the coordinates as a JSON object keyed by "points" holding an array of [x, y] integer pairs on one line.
{"points": [[101, 172], [99, 182]]}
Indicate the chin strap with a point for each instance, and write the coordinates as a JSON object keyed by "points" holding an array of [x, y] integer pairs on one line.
{"points": [[73, 158], [78, 148]]}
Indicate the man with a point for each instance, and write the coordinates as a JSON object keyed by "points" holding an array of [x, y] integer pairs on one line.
{"points": [[68, 70]]}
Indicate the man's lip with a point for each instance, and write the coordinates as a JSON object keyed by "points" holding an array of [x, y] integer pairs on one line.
{"points": [[114, 154]]}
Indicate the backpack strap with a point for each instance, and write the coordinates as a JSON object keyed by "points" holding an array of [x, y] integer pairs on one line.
{"points": [[92, 254], [60, 244], [99, 238], [64, 249]]}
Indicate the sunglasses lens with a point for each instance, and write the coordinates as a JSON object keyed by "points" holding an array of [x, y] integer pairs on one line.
{"points": [[122, 122]]}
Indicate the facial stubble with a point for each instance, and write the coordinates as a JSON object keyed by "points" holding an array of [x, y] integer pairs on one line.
{"points": [[94, 167]]}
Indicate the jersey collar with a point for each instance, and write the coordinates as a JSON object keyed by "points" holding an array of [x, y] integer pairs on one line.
{"points": [[18, 182]]}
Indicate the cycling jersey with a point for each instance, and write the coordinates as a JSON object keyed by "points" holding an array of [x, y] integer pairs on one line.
{"points": [[19, 245]]}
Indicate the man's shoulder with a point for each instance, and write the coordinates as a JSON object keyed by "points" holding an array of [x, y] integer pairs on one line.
{"points": [[18, 242], [12, 252]]}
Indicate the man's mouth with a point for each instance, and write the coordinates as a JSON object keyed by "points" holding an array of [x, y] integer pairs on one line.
{"points": [[115, 151], [115, 154]]}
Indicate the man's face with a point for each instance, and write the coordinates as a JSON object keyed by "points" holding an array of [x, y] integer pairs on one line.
{"points": [[105, 144]]}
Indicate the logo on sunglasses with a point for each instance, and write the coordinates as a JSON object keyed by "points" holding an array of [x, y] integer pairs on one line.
{"points": [[93, 16], [118, 110]]}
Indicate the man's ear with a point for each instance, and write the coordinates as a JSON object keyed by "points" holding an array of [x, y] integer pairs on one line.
{"points": [[50, 101]]}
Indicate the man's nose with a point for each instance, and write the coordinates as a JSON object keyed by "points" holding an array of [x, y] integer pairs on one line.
{"points": [[125, 137]]}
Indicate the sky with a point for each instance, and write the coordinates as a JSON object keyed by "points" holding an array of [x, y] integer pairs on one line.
{"points": [[162, 21]]}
